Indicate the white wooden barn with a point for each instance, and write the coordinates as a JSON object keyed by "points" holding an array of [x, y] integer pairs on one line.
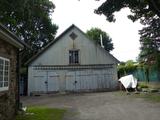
{"points": [[72, 62]]}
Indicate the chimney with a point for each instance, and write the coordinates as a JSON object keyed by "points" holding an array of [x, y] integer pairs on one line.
{"points": [[101, 41]]}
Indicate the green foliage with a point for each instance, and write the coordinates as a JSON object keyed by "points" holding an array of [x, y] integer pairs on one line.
{"points": [[148, 51], [143, 85], [126, 68], [141, 9], [150, 40], [37, 113], [29, 20], [148, 12], [95, 33], [150, 56]]}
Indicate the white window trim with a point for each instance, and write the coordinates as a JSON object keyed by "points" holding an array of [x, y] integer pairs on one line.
{"points": [[5, 88], [78, 57]]}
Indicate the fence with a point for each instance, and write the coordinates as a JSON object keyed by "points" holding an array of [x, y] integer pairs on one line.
{"points": [[144, 75]]}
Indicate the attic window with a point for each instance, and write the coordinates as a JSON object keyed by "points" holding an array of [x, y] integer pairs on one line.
{"points": [[73, 57], [73, 36]]}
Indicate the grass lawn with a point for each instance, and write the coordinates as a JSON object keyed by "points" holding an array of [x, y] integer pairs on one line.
{"points": [[40, 113], [154, 97]]}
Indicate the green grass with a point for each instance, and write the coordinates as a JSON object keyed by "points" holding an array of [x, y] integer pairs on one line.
{"points": [[40, 113], [143, 85], [154, 97]]}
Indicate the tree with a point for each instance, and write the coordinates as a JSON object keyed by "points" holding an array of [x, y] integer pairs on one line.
{"points": [[148, 12], [125, 68], [152, 32], [96, 33], [141, 9], [149, 56], [148, 51], [30, 21]]}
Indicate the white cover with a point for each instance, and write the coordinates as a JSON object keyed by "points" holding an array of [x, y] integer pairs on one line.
{"points": [[128, 81]]}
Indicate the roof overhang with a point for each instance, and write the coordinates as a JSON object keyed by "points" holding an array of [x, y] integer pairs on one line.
{"points": [[59, 37], [9, 37]]}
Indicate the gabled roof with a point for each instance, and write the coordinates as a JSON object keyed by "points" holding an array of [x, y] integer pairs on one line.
{"points": [[10, 37], [59, 37]]}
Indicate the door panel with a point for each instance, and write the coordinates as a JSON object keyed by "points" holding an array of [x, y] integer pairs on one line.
{"points": [[40, 83], [78, 80], [40, 78], [53, 81], [70, 81]]}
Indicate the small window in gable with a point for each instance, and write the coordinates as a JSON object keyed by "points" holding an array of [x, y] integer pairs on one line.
{"points": [[4, 73], [73, 36], [74, 57]]}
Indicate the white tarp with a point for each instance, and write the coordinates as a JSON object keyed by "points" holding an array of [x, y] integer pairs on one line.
{"points": [[128, 81]]}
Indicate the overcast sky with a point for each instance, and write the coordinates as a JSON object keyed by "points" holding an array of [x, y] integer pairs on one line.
{"points": [[124, 32]]}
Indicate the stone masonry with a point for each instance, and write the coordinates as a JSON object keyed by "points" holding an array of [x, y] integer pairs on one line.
{"points": [[8, 98]]}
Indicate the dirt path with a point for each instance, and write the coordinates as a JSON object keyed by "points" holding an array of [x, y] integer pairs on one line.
{"points": [[99, 106]]}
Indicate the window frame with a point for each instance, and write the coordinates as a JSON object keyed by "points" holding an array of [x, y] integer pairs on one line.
{"points": [[5, 69], [73, 61]]}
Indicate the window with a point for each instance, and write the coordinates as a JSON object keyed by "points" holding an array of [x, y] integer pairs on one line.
{"points": [[73, 57], [4, 73], [73, 36]]}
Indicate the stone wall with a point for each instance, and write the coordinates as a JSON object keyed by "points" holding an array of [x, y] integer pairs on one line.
{"points": [[8, 98]]}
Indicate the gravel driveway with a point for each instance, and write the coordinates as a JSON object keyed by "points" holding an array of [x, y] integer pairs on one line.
{"points": [[99, 106]]}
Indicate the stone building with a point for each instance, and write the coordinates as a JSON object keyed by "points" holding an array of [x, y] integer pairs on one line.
{"points": [[9, 49]]}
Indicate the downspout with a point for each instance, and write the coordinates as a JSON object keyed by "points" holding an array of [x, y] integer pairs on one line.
{"points": [[18, 78]]}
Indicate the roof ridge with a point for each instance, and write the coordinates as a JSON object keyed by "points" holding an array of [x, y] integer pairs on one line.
{"points": [[57, 38]]}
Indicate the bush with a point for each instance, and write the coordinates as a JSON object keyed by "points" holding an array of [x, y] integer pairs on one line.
{"points": [[143, 85]]}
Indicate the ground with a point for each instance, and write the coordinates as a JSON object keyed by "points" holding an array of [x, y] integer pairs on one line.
{"points": [[98, 106]]}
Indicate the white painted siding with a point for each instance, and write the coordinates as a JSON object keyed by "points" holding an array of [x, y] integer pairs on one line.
{"points": [[72, 80], [53, 81], [96, 71], [58, 54], [43, 81]]}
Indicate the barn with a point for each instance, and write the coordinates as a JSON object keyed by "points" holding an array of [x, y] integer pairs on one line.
{"points": [[72, 62]]}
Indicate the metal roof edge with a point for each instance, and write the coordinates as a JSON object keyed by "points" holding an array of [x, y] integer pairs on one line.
{"points": [[54, 41], [14, 40], [48, 45]]}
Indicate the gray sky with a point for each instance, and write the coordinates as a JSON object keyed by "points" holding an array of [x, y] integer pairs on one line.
{"points": [[124, 32]]}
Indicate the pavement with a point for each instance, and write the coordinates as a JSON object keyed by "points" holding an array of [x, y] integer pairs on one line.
{"points": [[98, 106]]}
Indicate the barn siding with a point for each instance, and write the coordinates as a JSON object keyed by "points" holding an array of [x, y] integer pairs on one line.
{"points": [[90, 53], [94, 61], [62, 79]]}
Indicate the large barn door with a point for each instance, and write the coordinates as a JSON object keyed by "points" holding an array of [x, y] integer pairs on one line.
{"points": [[46, 81], [89, 79], [74, 80], [77, 81]]}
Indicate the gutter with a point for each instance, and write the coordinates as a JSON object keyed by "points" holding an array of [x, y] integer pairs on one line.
{"points": [[11, 38]]}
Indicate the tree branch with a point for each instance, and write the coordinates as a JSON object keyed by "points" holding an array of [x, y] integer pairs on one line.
{"points": [[154, 5]]}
